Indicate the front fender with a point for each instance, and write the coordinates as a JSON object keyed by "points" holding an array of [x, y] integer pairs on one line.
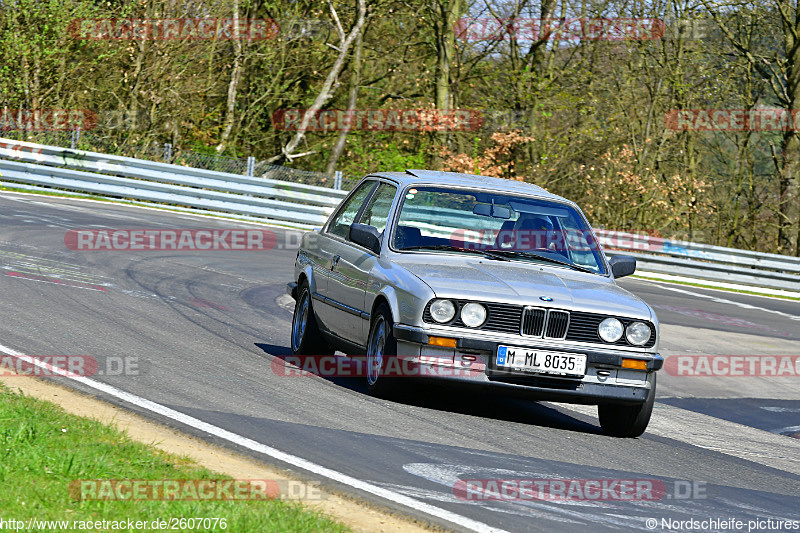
{"points": [[405, 294]]}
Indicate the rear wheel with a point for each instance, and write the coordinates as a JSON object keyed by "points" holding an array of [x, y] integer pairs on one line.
{"points": [[306, 337], [621, 420], [381, 347]]}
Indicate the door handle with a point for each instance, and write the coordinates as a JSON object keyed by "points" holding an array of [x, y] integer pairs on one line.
{"points": [[334, 262]]}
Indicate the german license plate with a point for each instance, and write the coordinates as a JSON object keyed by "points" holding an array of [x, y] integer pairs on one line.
{"points": [[540, 361]]}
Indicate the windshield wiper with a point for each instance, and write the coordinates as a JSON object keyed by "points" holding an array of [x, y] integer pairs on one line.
{"points": [[449, 247], [531, 255]]}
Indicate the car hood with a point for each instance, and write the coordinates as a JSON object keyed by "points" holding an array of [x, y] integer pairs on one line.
{"points": [[522, 283]]}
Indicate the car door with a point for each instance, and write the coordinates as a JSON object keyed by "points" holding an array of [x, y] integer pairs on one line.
{"points": [[351, 275], [325, 255]]}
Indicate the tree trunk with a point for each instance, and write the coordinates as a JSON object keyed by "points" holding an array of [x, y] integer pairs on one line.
{"points": [[791, 139], [449, 10], [326, 93], [133, 102], [355, 80], [539, 47], [236, 75]]}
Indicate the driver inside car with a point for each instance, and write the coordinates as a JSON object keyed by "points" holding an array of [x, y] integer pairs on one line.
{"points": [[528, 232]]}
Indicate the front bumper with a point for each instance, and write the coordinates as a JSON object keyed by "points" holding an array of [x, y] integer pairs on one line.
{"points": [[291, 289], [473, 361]]}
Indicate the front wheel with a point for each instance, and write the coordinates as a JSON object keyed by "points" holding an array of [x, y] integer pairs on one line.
{"points": [[381, 347], [620, 420], [306, 338]]}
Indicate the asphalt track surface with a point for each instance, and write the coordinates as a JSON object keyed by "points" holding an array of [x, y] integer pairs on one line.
{"points": [[201, 329]]}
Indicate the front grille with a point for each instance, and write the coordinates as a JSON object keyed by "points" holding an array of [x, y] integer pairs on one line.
{"points": [[538, 322], [532, 321], [557, 323]]}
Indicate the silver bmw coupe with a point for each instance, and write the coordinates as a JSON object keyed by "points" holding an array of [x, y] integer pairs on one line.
{"points": [[483, 280]]}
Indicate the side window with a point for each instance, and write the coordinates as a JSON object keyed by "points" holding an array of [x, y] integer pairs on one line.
{"points": [[377, 211], [341, 224]]}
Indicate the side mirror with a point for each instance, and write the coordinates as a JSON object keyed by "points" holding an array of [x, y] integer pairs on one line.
{"points": [[367, 236], [622, 265]]}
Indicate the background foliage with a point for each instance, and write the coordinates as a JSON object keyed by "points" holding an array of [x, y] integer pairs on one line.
{"points": [[582, 117]]}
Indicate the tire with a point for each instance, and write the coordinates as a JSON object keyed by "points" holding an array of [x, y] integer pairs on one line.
{"points": [[306, 337], [627, 421], [381, 347]]}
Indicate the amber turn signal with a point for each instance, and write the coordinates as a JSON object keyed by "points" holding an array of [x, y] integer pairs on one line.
{"points": [[442, 341], [637, 364]]}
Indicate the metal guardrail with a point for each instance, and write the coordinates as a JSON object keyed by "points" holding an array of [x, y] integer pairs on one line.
{"points": [[38, 167], [122, 177], [704, 261], [97, 141]]}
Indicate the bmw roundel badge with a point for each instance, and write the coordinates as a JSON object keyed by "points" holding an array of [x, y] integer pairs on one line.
{"points": [[545, 298]]}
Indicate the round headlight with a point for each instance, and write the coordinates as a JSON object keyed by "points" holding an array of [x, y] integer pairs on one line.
{"points": [[637, 333], [443, 311], [473, 315], [610, 330]]}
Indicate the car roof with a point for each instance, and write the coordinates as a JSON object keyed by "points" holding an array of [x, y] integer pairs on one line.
{"points": [[436, 177]]}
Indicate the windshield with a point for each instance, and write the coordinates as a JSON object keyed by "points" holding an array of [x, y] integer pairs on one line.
{"points": [[515, 227]]}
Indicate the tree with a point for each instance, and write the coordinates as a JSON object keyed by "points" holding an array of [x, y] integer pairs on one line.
{"points": [[346, 41], [782, 71]]}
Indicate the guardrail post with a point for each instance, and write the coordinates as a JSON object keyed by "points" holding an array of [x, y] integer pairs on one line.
{"points": [[251, 166], [167, 152], [76, 135], [337, 180]]}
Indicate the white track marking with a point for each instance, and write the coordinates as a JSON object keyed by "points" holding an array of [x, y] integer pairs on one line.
{"points": [[570, 511], [708, 432], [255, 446], [784, 431], [782, 409], [730, 302], [707, 285], [284, 301], [61, 284]]}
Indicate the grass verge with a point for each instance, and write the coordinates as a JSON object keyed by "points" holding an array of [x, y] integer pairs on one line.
{"points": [[43, 449], [726, 289]]}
